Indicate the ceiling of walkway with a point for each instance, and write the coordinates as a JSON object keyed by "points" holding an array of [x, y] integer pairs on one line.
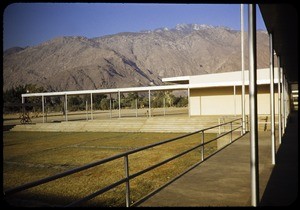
{"points": [[282, 21]]}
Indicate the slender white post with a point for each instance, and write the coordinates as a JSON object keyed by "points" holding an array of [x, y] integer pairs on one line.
{"points": [[92, 106], [149, 93], [43, 108], [282, 97], [279, 104], [119, 97], [66, 107], [253, 105], [136, 107], [110, 105], [189, 107], [243, 69], [272, 103], [164, 104], [234, 101]]}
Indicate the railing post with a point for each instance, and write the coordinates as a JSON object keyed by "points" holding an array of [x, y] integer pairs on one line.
{"points": [[230, 131], [126, 166], [202, 152]]}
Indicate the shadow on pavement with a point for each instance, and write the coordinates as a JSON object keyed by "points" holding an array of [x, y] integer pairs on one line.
{"points": [[282, 187]]}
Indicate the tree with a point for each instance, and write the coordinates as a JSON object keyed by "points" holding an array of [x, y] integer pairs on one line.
{"points": [[104, 104], [13, 96]]}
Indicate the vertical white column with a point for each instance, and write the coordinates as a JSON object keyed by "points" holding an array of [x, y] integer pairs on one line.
{"points": [[189, 106], [243, 69], [136, 107], [253, 106], [92, 117], [279, 103], [286, 96], [272, 104], [149, 93], [110, 105], [86, 110], [282, 98], [164, 102], [234, 100], [119, 97], [43, 108], [66, 107]]}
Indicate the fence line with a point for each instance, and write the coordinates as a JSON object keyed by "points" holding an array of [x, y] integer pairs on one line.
{"points": [[234, 125]]}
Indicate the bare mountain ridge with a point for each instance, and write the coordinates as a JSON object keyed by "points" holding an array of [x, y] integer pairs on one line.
{"points": [[128, 59]]}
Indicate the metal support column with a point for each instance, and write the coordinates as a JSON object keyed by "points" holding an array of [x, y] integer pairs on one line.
{"points": [[66, 107], [92, 106], [234, 100], [253, 105], [279, 104], [164, 102], [110, 105], [119, 99], [136, 107], [86, 110], [282, 97], [189, 106], [272, 104], [149, 93], [43, 108], [243, 69], [285, 100]]}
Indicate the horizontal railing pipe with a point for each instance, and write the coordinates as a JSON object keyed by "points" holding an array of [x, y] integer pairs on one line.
{"points": [[75, 170]]}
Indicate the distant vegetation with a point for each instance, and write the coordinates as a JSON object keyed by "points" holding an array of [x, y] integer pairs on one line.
{"points": [[12, 100]]}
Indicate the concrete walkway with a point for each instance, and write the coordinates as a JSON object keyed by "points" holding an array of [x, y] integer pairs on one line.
{"points": [[224, 179], [282, 187]]}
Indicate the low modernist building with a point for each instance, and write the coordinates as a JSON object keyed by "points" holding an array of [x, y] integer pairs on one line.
{"points": [[210, 94], [221, 93]]}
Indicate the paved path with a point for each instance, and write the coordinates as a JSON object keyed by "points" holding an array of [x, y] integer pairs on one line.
{"points": [[224, 179], [282, 188]]}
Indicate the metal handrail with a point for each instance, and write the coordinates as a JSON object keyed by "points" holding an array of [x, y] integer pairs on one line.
{"points": [[126, 164]]}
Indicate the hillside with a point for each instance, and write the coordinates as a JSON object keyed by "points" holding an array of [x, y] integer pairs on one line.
{"points": [[128, 59]]}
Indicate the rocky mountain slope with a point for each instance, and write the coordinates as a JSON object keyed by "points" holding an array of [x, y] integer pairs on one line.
{"points": [[128, 59]]}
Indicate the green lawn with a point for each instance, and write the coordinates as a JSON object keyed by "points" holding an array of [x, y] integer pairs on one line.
{"points": [[29, 156]]}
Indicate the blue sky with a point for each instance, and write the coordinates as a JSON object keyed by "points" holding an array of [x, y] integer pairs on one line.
{"points": [[29, 24]]}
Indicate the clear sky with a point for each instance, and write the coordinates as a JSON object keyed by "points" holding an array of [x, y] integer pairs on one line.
{"points": [[29, 24]]}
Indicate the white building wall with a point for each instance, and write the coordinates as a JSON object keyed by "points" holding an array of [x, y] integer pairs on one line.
{"points": [[221, 101]]}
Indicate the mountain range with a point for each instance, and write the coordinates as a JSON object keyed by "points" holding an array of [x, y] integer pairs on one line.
{"points": [[129, 59]]}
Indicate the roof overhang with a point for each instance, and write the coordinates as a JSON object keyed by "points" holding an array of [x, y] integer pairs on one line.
{"points": [[282, 21], [110, 91], [177, 80], [225, 79]]}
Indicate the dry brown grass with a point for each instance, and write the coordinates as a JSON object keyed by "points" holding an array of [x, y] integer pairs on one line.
{"points": [[29, 156]]}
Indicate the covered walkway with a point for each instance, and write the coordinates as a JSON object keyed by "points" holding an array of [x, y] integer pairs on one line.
{"points": [[224, 179]]}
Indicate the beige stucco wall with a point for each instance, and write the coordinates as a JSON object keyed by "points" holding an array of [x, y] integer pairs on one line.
{"points": [[221, 101]]}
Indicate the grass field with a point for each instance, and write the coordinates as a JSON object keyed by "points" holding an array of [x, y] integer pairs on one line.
{"points": [[29, 156]]}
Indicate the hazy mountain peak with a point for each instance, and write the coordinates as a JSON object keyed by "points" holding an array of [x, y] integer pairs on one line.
{"points": [[184, 27], [189, 27], [127, 59]]}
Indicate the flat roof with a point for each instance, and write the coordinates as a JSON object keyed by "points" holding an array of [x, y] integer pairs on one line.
{"points": [[185, 82], [177, 80], [225, 78], [108, 91]]}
